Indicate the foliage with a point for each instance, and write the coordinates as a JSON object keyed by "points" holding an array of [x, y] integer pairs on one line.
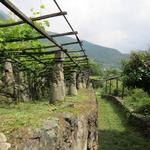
{"points": [[111, 72], [138, 100], [19, 32], [105, 56], [31, 66], [96, 69], [136, 70]]}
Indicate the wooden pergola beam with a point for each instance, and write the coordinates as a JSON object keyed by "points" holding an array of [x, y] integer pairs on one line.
{"points": [[34, 53], [38, 48], [22, 16], [38, 37], [77, 60], [34, 19], [78, 56], [76, 51]]}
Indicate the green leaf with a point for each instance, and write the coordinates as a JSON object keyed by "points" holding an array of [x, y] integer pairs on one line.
{"points": [[46, 22], [42, 6]]}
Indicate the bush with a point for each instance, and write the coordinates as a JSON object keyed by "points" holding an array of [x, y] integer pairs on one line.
{"points": [[144, 110], [136, 71], [138, 100]]}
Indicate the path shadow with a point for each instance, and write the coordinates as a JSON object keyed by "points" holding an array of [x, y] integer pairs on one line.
{"points": [[129, 139], [114, 140], [121, 114]]}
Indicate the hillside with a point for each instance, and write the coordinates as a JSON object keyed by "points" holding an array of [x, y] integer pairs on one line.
{"points": [[108, 57], [3, 16]]}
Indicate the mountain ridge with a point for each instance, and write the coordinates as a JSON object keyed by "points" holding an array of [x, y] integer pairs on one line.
{"points": [[108, 57], [3, 16]]}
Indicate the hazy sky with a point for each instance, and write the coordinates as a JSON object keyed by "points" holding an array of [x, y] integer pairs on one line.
{"points": [[120, 24]]}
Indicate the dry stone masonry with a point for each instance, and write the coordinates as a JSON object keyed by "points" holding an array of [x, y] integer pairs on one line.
{"points": [[3, 142], [9, 87], [62, 131]]}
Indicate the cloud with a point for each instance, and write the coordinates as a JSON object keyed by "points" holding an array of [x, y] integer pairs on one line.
{"points": [[121, 24]]}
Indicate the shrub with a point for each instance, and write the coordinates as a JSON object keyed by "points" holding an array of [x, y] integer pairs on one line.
{"points": [[138, 100], [136, 71]]}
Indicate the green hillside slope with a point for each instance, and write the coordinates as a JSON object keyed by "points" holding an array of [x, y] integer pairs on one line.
{"points": [[108, 57], [3, 16]]}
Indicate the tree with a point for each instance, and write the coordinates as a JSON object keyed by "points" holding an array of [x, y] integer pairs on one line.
{"points": [[96, 69], [136, 70], [111, 72]]}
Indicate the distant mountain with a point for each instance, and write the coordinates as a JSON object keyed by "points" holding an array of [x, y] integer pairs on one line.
{"points": [[3, 16], [108, 57]]}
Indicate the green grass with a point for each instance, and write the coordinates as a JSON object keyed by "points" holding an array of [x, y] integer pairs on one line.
{"points": [[114, 131], [138, 100], [32, 114], [23, 115], [82, 96], [80, 102]]}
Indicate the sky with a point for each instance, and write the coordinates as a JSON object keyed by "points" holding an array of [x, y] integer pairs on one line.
{"points": [[120, 24]]}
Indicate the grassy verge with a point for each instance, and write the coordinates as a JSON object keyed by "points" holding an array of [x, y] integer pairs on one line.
{"points": [[79, 104], [31, 114], [114, 131], [23, 115], [139, 101]]}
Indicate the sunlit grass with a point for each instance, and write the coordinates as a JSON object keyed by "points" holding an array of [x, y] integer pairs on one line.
{"points": [[23, 115], [32, 114]]}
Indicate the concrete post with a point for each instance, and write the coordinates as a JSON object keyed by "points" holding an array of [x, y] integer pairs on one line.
{"points": [[79, 81], [73, 84], [83, 81], [58, 86]]}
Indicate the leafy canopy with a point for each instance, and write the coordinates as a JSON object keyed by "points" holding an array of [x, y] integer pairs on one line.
{"points": [[136, 70]]}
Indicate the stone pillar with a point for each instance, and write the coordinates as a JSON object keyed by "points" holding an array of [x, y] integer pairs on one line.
{"points": [[8, 80], [79, 81], [29, 84], [72, 84], [57, 85], [84, 80], [88, 80], [22, 87], [4, 145]]}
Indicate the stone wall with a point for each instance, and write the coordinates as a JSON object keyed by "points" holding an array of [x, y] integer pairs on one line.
{"points": [[75, 130]]}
